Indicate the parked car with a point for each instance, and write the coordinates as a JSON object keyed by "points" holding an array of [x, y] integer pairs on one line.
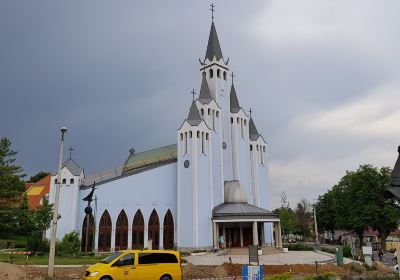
{"points": [[137, 264]]}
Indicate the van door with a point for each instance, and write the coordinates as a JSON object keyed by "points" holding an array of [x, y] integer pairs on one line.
{"points": [[147, 267], [125, 268]]}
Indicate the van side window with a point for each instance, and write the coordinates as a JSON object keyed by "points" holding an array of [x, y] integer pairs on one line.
{"points": [[147, 258], [128, 259], [167, 258]]}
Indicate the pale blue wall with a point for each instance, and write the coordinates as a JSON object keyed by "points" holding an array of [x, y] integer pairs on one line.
{"points": [[244, 164], [204, 203], [216, 168], [152, 189], [64, 209]]}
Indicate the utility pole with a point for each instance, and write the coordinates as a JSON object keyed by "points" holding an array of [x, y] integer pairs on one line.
{"points": [[316, 227], [50, 271]]}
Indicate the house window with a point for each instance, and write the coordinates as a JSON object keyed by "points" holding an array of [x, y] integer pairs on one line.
{"points": [[71, 181]]}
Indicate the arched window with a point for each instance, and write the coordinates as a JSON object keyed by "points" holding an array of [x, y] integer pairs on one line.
{"points": [[217, 114], [181, 137], [138, 231], [121, 232], [186, 148], [105, 227], [168, 234], [198, 134], [87, 234], [224, 75], [202, 111], [231, 120], [213, 119], [64, 181], [241, 127], [202, 142], [257, 147], [261, 156], [237, 120], [190, 134], [251, 147], [71, 181], [245, 122], [264, 149], [218, 73], [154, 229], [211, 73], [209, 111], [207, 136], [204, 74]]}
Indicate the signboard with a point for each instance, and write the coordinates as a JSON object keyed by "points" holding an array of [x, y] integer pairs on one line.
{"points": [[253, 255], [367, 250], [253, 272]]}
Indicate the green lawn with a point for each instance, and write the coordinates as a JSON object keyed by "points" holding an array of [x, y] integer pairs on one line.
{"points": [[43, 260]]}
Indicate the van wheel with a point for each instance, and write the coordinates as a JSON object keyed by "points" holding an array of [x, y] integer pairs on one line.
{"points": [[106, 278], [166, 277]]}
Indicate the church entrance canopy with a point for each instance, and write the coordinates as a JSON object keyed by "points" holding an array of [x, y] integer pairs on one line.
{"points": [[242, 224]]}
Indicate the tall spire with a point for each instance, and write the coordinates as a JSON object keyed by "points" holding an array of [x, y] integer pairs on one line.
{"points": [[194, 118], [213, 47], [205, 94], [235, 107], [394, 187], [253, 133]]}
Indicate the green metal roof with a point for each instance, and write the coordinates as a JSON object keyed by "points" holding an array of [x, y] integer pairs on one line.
{"points": [[151, 158]]}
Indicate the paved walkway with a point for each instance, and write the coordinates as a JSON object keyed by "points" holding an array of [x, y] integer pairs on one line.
{"points": [[292, 257]]}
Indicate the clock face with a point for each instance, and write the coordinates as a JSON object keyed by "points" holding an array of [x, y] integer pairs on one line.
{"points": [[223, 145], [186, 164]]}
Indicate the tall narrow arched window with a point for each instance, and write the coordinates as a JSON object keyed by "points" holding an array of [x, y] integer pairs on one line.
{"points": [[87, 234], [211, 73], [207, 136], [209, 111], [121, 232], [213, 119], [186, 143], [105, 227], [261, 157], [138, 231], [198, 134], [224, 75], [204, 74], [154, 229], [202, 111], [241, 127], [231, 120], [181, 137], [168, 234], [202, 142], [218, 73], [251, 147], [190, 134]]}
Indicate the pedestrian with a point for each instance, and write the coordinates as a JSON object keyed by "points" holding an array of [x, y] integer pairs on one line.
{"points": [[222, 242], [380, 253]]}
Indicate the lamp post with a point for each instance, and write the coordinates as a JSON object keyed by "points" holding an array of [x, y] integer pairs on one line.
{"points": [[50, 271], [316, 227]]}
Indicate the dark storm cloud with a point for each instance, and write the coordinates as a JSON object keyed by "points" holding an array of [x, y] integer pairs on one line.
{"points": [[321, 77]]}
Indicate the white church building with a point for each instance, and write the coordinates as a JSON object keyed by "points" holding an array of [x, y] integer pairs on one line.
{"points": [[212, 182]]}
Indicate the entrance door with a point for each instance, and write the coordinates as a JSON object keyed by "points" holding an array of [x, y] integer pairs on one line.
{"points": [[233, 237], [247, 236], [154, 229]]}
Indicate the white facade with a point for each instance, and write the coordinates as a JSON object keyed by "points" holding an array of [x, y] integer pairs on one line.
{"points": [[217, 147]]}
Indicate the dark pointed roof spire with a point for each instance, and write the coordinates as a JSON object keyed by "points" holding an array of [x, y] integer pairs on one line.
{"points": [[235, 107], [253, 133], [394, 189], [213, 47], [194, 118], [205, 94]]}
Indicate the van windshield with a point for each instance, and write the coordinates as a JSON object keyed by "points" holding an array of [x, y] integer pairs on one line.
{"points": [[111, 257]]}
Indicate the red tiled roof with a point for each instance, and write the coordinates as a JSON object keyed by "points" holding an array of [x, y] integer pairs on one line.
{"points": [[36, 191]]}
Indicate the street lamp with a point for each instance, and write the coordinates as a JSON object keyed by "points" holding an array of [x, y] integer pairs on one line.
{"points": [[316, 227], [50, 271]]}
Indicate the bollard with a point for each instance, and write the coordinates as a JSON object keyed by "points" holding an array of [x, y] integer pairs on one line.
{"points": [[316, 267]]}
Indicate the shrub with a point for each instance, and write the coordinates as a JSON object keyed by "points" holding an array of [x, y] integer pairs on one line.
{"points": [[322, 276], [347, 251], [36, 243], [70, 245], [300, 247], [328, 250]]}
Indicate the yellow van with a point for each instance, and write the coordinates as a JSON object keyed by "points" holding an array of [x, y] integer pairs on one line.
{"points": [[137, 264]]}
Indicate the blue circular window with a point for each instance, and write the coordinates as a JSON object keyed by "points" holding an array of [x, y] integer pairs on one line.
{"points": [[186, 164], [223, 145]]}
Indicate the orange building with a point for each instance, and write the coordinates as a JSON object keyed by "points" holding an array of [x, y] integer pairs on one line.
{"points": [[35, 192]]}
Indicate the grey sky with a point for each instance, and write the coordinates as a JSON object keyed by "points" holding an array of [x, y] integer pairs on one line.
{"points": [[322, 78]]}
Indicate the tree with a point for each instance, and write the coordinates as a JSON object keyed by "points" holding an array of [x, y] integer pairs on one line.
{"points": [[38, 176], [304, 217], [11, 183], [357, 203], [287, 216]]}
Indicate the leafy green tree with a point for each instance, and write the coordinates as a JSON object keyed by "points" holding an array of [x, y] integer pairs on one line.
{"points": [[70, 245], [326, 212], [304, 217], [38, 176], [287, 216]]}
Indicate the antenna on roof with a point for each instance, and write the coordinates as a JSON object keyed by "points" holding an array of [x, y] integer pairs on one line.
{"points": [[70, 151]]}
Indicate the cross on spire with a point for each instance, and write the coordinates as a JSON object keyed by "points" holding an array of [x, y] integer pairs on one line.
{"points": [[250, 112], [70, 151], [194, 93], [212, 11], [233, 76]]}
